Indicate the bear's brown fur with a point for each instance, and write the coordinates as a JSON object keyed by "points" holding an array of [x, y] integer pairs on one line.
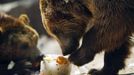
{"points": [[105, 25], [18, 42], [61, 22]]}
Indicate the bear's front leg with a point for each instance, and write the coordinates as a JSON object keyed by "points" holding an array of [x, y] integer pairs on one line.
{"points": [[113, 61], [80, 57]]}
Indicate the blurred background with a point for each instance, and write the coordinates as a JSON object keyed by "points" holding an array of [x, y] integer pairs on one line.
{"points": [[47, 44]]}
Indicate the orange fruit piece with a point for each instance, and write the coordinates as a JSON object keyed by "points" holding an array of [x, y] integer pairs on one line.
{"points": [[61, 60]]}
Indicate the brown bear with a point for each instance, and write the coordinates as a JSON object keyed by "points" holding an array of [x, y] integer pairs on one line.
{"points": [[103, 25], [18, 43]]}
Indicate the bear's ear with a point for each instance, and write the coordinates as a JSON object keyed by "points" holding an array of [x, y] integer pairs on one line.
{"points": [[24, 19], [1, 30]]}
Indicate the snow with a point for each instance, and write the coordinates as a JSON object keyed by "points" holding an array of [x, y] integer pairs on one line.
{"points": [[51, 46]]}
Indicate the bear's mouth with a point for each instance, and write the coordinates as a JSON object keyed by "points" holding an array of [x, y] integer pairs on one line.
{"points": [[70, 49]]}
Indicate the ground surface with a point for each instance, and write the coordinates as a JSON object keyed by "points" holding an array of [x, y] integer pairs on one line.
{"points": [[49, 46]]}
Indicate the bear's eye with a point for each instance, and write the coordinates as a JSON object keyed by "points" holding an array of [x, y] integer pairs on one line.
{"points": [[56, 31], [59, 34], [24, 46]]}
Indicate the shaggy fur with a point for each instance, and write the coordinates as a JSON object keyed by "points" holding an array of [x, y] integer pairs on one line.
{"points": [[18, 44], [105, 25]]}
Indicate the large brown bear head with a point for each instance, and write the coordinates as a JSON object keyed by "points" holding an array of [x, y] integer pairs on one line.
{"points": [[66, 21]]}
